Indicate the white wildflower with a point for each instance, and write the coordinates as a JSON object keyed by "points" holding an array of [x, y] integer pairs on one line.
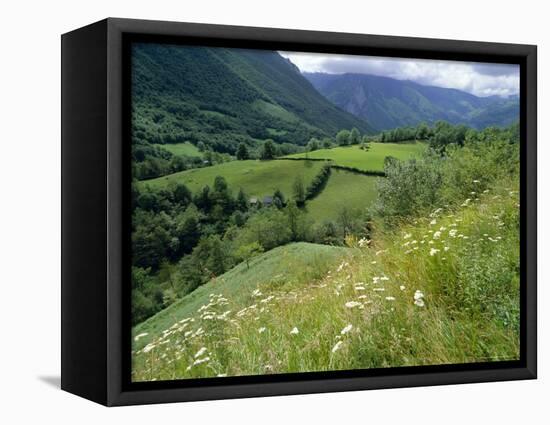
{"points": [[337, 346], [384, 278], [363, 241], [433, 222], [452, 233], [261, 330], [433, 251], [437, 234], [148, 348], [294, 331], [402, 287], [419, 298], [341, 266], [199, 361], [390, 298], [351, 304], [446, 248], [346, 329], [407, 236], [200, 352], [141, 335], [378, 289]]}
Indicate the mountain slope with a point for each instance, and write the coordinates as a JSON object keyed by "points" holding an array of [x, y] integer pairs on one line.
{"points": [[388, 103], [224, 96]]}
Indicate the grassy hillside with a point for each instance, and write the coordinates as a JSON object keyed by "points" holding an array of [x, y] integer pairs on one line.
{"points": [[443, 288], [371, 160], [389, 103], [256, 178], [185, 149], [355, 192], [283, 266]]}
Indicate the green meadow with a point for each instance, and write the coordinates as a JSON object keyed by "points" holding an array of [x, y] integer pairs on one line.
{"points": [[354, 192], [366, 160], [255, 177], [184, 149]]}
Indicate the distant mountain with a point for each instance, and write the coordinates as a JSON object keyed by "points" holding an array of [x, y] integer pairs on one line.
{"points": [[226, 96], [386, 103]]}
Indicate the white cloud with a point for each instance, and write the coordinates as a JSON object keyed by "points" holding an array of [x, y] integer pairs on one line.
{"points": [[481, 79]]}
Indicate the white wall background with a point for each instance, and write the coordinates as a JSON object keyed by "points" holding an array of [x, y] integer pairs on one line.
{"points": [[30, 210]]}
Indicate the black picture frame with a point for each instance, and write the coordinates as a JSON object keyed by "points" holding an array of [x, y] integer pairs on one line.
{"points": [[95, 211]]}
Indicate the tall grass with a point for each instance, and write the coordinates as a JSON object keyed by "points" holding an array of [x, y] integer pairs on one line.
{"points": [[439, 289]]}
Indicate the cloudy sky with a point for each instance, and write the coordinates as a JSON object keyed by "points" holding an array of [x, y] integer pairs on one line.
{"points": [[481, 79]]}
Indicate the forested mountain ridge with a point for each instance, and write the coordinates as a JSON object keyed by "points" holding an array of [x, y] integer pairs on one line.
{"points": [[223, 97], [388, 103]]}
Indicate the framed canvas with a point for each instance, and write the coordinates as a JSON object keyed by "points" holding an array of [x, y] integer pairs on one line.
{"points": [[252, 212]]}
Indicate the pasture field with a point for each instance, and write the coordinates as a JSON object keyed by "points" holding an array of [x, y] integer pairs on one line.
{"points": [[442, 289], [256, 178], [366, 160], [185, 149], [353, 191]]}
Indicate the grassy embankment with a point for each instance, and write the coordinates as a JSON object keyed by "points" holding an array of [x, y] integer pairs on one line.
{"points": [[437, 290]]}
